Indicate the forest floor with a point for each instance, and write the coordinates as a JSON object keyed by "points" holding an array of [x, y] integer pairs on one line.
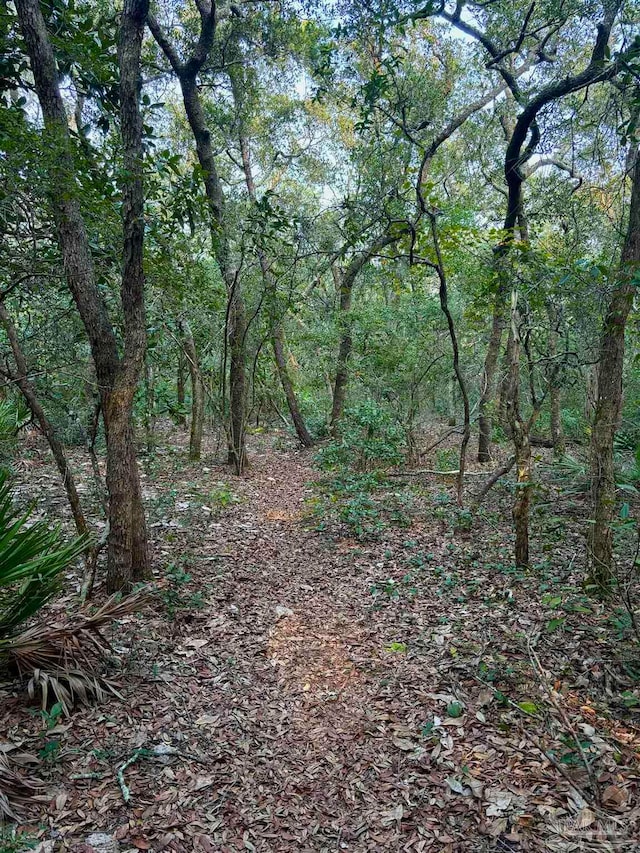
{"points": [[296, 689]]}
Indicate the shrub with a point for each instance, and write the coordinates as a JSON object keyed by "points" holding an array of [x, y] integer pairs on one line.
{"points": [[32, 559], [60, 657], [369, 439]]}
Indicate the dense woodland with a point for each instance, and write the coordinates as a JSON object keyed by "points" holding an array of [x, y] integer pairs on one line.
{"points": [[319, 425]]}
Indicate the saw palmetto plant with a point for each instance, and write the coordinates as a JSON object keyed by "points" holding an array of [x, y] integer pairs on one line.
{"points": [[59, 658], [32, 559]]}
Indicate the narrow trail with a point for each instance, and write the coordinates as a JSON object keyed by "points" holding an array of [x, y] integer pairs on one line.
{"points": [[281, 706], [310, 695]]}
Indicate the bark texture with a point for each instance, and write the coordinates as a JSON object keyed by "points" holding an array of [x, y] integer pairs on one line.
{"points": [[187, 72], [180, 391], [197, 392], [127, 554], [522, 446], [609, 399]]}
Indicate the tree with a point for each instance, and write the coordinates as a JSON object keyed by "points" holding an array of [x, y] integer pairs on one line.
{"points": [[127, 555], [187, 72], [609, 399]]}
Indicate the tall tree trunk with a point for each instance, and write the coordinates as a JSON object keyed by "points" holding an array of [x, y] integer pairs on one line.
{"points": [[187, 73], [555, 394], [451, 401], [444, 305], [197, 392], [127, 555], [591, 393], [609, 400], [237, 383], [278, 341], [523, 140], [345, 286], [487, 384], [522, 446], [181, 418], [127, 564]]}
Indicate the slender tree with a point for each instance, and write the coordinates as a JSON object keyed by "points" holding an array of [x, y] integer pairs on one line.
{"points": [[187, 71], [276, 326], [117, 374], [609, 398]]}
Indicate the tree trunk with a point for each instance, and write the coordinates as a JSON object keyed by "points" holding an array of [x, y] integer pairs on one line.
{"points": [[344, 352], [278, 341], [237, 384], [591, 393], [522, 446], [127, 557], [444, 305], [451, 401], [30, 396], [197, 392], [236, 316], [609, 400], [555, 395], [487, 385], [277, 329], [182, 418]]}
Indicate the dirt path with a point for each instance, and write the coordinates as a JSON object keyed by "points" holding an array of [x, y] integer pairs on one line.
{"points": [[282, 706]]}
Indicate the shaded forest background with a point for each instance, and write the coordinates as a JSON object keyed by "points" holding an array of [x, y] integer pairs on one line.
{"points": [[402, 238]]}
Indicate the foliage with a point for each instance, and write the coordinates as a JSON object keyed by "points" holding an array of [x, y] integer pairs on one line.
{"points": [[176, 595], [369, 439], [12, 417], [32, 559], [361, 504]]}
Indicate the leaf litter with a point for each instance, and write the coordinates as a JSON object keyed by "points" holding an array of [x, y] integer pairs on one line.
{"points": [[274, 703]]}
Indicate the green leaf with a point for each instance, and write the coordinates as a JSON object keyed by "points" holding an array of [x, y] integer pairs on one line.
{"points": [[455, 710]]}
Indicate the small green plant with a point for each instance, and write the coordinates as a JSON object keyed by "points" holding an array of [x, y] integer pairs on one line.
{"points": [[221, 497], [52, 717], [165, 502], [51, 746], [360, 503], [387, 589], [50, 751], [446, 460], [455, 710], [369, 438], [176, 596], [360, 513], [32, 560], [397, 648], [13, 840]]}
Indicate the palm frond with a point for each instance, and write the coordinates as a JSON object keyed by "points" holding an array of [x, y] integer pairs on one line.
{"points": [[64, 659], [32, 558], [15, 788]]}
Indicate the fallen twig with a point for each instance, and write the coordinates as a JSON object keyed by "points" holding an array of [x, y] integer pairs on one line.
{"points": [[126, 793], [565, 719]]}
